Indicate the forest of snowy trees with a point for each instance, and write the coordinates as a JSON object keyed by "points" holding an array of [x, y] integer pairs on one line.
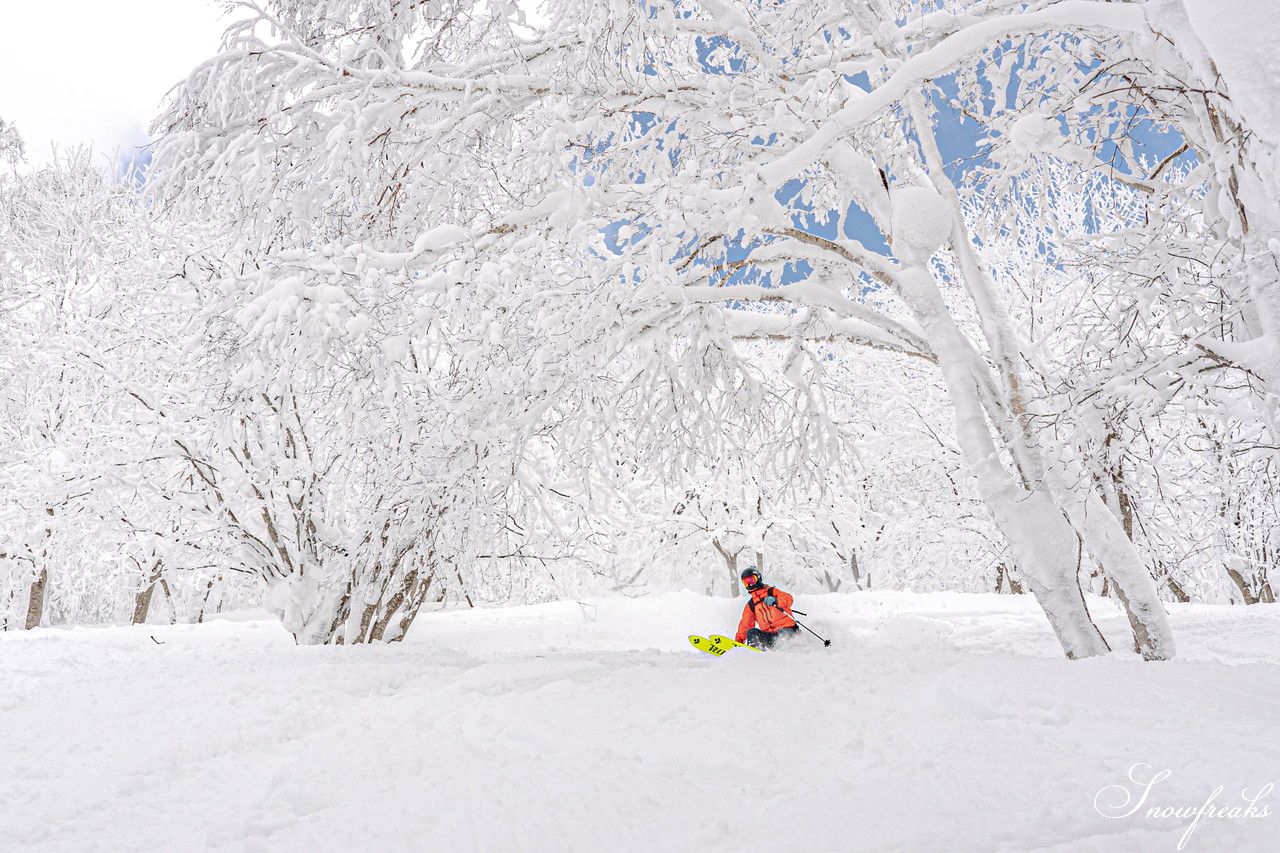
{"points": [[435, 300]]}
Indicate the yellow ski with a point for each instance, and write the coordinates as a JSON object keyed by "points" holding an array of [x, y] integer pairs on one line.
{"points": [[703, 644], [726, 643]]}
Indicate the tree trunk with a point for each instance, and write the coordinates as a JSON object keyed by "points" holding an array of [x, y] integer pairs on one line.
{"points": [[1043, 545], [312, 614], [1126, 510], [392, 606], [417, 597], [463, 587], [40, 587], [1006, 577], [1106, 540], [854, 569], [1177, 590], [344, 615], [204, 602], [1027, 510], [731, 563], [35, 604], [1239, 581], [1040, 510], [1118, 491], [142, 600], [1041, 541], [366, 619], [142, 604]]}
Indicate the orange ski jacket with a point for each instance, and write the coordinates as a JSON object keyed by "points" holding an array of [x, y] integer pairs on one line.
{"points": [[770, 618]]}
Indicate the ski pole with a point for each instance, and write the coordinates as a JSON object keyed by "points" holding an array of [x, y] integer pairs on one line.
{"points": [[810, 630]]}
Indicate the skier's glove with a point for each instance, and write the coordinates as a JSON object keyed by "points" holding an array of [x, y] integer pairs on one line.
{"points": [[771, 601]]}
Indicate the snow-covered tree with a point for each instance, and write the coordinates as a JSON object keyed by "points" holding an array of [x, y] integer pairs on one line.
{"points": [[91, 335], [12, 149], [407, 147], [463, 254]]}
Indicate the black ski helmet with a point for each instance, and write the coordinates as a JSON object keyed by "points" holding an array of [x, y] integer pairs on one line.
{"points": [[751, 578]]}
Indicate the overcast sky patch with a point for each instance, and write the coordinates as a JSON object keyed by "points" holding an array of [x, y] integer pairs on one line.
{"points": [[89, 72]]}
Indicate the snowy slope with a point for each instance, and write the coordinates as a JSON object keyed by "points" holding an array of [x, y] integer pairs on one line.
{"points": [[940, 722]]}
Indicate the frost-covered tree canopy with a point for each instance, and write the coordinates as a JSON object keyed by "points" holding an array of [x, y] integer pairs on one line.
{"points": [[429, 300]]}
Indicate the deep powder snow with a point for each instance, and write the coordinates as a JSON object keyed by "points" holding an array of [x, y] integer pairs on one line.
{"points": [[937, 722]]}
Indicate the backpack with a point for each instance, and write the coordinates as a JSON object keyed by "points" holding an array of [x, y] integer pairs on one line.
{"points": [[752, 603]]}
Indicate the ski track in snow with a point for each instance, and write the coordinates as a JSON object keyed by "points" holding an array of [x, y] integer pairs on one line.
{"points": [[935, 722]]}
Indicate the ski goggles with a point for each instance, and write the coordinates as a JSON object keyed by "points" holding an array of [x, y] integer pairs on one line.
{"points": [[751, 580]]}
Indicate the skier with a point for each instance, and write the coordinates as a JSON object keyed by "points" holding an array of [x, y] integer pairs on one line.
{"points": [[770, 608]]}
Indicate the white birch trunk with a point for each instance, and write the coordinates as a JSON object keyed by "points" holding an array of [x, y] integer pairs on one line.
{"points": [[1071, 497], [1040, 538], [1105, 539]]}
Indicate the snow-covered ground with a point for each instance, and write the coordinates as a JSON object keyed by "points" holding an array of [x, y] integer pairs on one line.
{"points": [[935, 722]]}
